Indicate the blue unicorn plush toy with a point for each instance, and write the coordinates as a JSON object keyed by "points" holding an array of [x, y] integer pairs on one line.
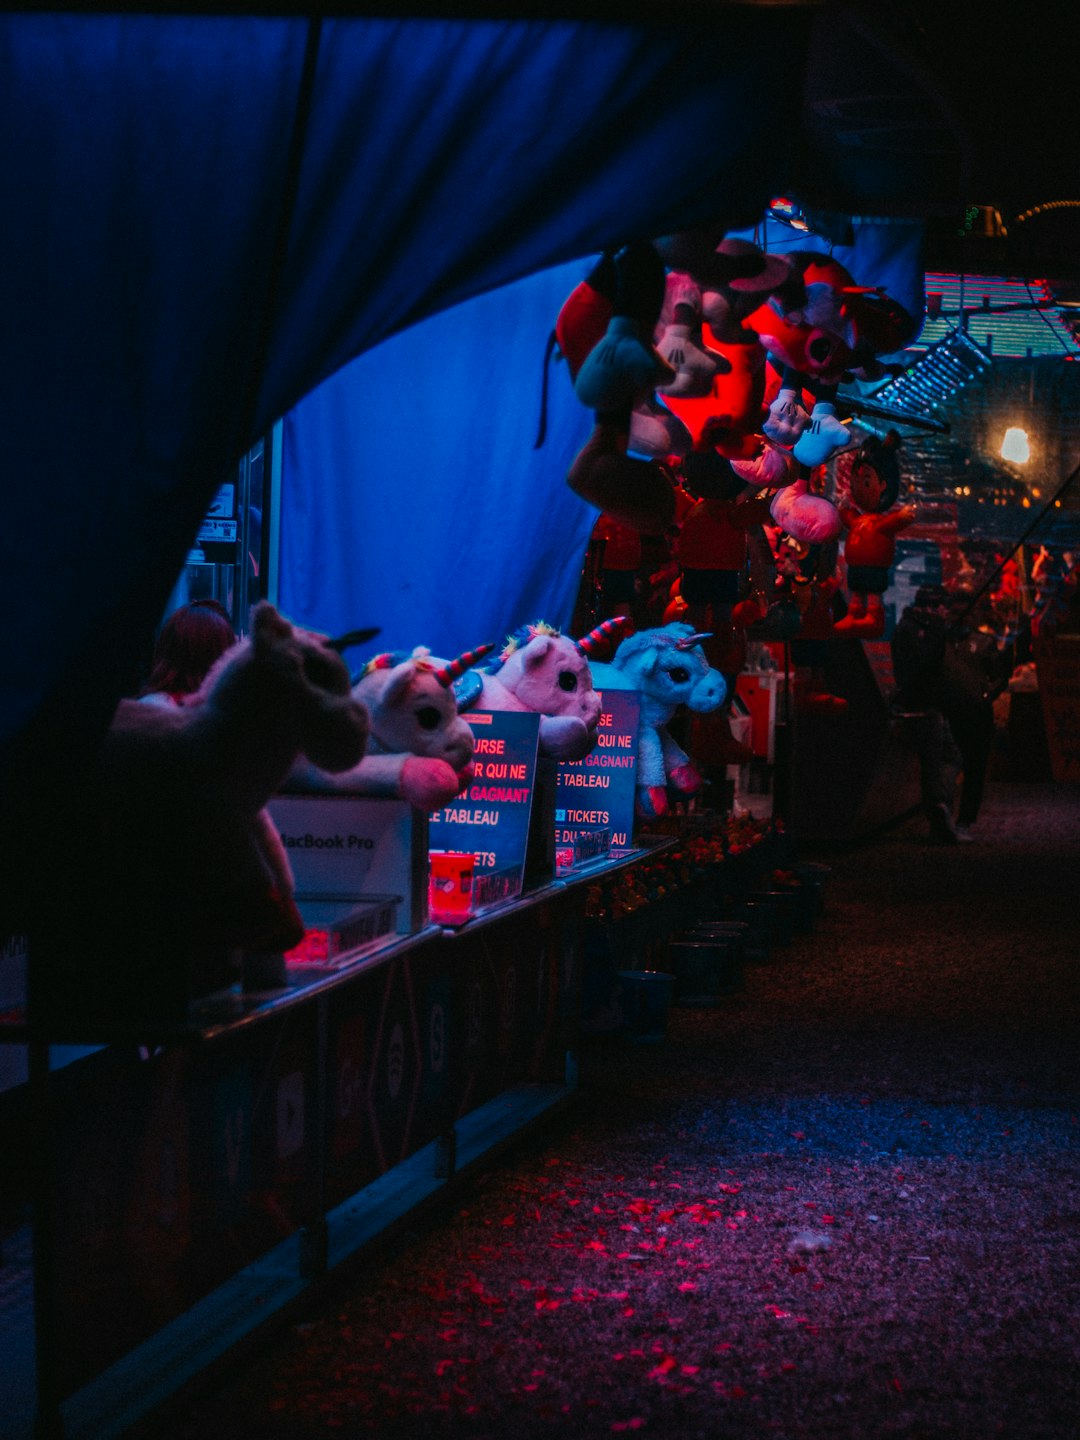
{"points": [[668, 668]]}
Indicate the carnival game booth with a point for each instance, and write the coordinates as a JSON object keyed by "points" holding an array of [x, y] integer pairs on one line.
{"points": [[211, 215]]}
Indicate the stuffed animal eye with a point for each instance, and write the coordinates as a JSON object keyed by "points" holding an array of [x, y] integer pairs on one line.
{"points": [[567, 680], [427, 717], [679, 675]]}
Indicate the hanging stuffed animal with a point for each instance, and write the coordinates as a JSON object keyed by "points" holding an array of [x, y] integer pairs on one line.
{"points": [[712, 546], [668, 668], [734, 277], [742, 281], [811, 345], [617, 379], [873, 521]]}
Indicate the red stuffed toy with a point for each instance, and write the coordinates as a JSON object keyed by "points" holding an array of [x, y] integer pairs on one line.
{"points": [[735, 278]]}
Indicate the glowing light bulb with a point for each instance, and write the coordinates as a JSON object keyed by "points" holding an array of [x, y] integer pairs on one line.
{"points": [[1015, 446]]}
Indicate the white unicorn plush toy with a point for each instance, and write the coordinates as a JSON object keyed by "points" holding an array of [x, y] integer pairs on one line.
{"points": [[420, 750]]}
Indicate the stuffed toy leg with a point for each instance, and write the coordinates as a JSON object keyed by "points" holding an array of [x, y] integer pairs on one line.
{"points": [[682, 775], [652, 798], [824, 435], [808, 518], [639, 494], [625, 366]]}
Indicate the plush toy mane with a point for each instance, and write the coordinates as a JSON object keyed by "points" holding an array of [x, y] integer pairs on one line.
{"points": [[389, 658], [518, 639]]}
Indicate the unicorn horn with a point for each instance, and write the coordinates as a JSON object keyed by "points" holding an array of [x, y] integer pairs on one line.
{"points": [[606, 632], [447, 674], [689, 641]]}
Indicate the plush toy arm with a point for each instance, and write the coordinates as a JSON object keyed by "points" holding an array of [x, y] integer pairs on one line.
{"points": [[425, 783], [898, 519], [565, 737], [374, 775], [430, 784]]}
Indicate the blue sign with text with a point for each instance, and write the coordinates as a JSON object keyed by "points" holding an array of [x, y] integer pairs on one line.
{"points": [[491, 818], [597, 794]]}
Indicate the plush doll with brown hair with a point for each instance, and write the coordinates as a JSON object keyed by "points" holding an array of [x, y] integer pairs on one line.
{"points": [[873, 520]]}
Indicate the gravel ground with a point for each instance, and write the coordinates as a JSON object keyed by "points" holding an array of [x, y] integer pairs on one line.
{"points": [[846, 1203]]}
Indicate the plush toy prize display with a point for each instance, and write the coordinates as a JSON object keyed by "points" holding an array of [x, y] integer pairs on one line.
{"points": [[189, 849], [420, 749], [668, 668], [718, 331], [835, 327], [542, 670]]}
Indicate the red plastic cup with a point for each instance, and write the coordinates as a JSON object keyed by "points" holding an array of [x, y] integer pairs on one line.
{"points": [[450, 886]]}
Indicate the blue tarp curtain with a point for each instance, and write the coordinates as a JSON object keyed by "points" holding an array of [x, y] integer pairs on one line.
{"points": [[413, 494], [171, 284]]}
